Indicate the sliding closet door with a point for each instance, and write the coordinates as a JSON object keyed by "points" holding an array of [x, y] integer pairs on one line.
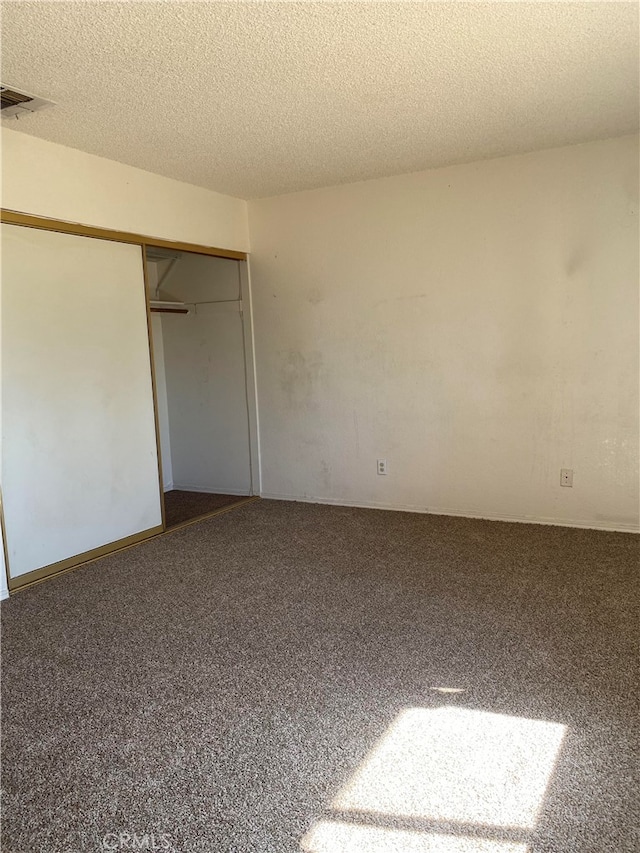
{"points": [[79, 455]]}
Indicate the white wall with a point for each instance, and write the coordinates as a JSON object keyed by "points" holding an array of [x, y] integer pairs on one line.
{"points": [[205, 377], [477, 326], [46, 179]]}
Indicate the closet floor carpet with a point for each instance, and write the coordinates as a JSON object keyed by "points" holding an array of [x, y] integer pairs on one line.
{"points": [[291, 677], [181, 506]]}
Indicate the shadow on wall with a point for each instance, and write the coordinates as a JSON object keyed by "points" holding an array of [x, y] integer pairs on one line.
{"points": [[444, 780]]}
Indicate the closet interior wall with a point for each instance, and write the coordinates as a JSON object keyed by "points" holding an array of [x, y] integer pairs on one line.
{"points": [[201, 378]]}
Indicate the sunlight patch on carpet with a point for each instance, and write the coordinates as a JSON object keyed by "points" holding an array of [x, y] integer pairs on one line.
{"points": [[339, 837], [456, 764]]}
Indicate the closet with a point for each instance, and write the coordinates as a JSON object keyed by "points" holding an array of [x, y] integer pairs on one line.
{"points": [[199, 351], [89, 435]]}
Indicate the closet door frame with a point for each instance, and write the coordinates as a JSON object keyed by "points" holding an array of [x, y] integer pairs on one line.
{"points": [[251, 386], [12, 217]]}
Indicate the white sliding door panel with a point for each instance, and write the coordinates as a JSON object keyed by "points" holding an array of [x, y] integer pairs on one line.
{"points": [[79, 457]]}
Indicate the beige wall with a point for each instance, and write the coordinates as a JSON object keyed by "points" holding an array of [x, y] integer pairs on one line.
{"points": [[46, 179], [476, 326]]}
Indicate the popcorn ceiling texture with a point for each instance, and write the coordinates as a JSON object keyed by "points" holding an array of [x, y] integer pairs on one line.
{"points": [[257, 99]]}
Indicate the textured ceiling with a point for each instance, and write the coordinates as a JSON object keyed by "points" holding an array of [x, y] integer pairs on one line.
{"points": [[255, 99]]}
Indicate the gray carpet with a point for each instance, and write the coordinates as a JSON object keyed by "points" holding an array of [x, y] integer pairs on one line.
{"points": [[265, 682], [181, 505]]}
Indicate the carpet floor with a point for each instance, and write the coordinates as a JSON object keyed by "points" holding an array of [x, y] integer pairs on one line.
{"points": [[181, 506], [291, 677]]}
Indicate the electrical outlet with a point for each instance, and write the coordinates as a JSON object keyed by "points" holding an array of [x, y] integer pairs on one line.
{"points": [[382, 466], [566, 477]]}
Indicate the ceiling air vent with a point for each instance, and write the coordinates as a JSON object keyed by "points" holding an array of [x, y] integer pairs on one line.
{"points": [[16, 103]]}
